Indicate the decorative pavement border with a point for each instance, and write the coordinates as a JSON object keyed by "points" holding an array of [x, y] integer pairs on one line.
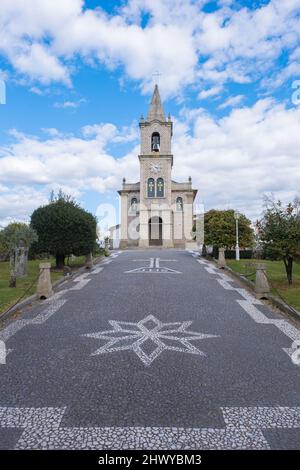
{"points": [[249, 303], [243, 429]]}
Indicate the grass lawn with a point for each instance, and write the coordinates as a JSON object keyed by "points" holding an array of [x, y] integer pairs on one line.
{"points": [[8, 295], [277, 276]]}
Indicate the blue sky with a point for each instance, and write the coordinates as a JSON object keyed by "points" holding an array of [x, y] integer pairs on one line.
{"points": [[79, 74]]}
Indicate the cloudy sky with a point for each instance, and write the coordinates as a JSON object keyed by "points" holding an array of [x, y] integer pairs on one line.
{"points": [[79, 74]]}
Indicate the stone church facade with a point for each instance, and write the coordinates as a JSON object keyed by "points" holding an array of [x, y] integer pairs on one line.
{"points": [[156, 211]]}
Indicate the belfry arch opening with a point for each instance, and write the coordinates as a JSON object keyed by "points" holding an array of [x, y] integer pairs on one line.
{"points": [[155, 142]]}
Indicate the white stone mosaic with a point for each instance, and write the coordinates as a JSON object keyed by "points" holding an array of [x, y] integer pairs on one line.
{"points": [[148, 338], [80, 284], [225, 284], [223, 276], [201, 261], [249, 306], [248, 296], [262, 417], [289, 330], [54, 304], [17, 325], [56, 296], [116, 254], [211, 270], [284, 326], [153, 267], [243, 429], [253, 312], [97, 270], [81, 281]]}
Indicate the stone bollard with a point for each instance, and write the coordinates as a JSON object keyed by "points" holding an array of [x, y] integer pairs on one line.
{"points": [[89, 261], [44, 287], [221, 259], [67, 271], [204, 251], [262, 288]]}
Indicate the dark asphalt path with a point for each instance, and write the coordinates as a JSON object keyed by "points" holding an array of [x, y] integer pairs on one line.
{"points": [[198, 362]]}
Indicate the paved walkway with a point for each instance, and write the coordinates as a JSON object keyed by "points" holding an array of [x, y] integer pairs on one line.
{"points": [[153, 349]]}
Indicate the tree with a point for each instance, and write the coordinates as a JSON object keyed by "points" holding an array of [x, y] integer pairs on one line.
{"points": [[219, 229], [279, 232], [4, 250], [18, 237], [64, 228]]}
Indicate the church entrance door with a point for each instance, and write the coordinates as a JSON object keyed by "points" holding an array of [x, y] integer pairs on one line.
{"points": [[155, 231]]}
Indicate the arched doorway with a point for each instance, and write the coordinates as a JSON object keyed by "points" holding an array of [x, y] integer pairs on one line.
{"points": [[155, 231]]}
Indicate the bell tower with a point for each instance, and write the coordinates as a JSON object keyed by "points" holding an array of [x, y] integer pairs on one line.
{"points": [[156, 161], [156, 211]]}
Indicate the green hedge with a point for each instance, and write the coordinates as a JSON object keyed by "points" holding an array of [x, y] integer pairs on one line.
{"points": [[230, 254]]}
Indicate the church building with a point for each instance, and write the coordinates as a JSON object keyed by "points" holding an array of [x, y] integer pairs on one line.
{"points": [[156, 211]]}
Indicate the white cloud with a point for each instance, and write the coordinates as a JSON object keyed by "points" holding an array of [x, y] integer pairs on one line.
{"points": [[237, 159], [18, 202], [51, 131], [109, 133], [75, 164], [69, 104], [40, 64], [36, 90], [42, 38], [233, 161], [232, 102], [209, 92]]}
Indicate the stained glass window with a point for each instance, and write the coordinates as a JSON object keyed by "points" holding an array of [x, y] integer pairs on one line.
{"points": [[160, 187], [151, 187]]}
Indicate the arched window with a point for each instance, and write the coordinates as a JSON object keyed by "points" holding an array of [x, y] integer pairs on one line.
{"points": [[160, 187], [155, 142], [133, 205], [179, 204], [151, 187]]}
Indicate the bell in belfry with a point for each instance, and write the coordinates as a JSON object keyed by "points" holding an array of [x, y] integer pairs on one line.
{"points": [[155, 142]]}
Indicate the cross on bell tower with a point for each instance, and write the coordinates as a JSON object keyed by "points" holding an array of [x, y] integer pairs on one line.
{"points": [[156, 76]]}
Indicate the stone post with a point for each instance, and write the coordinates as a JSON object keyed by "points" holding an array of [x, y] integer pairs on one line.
{"points": [[21, 258], [221, 259], [262, 288], [89, 261], [44, 287], [106, 243]]}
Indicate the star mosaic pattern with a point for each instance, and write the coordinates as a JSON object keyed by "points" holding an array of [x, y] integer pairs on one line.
{"points": [[149, 338]]}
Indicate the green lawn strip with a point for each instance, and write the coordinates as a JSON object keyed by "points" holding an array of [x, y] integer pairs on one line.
{"points": [[8, 295], [75, 262], [277, 276]]}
